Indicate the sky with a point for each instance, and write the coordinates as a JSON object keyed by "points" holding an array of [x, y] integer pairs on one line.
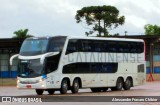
{"points": [[57, 17]]}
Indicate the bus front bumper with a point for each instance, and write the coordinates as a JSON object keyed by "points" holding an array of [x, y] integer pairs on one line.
{"points": [[39, 85]]}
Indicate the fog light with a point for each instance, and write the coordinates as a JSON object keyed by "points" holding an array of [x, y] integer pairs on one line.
{"points": [[42, 85]]}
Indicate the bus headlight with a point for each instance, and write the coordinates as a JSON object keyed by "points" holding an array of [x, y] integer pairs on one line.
{"points": [[40, 80], [17, 81]]}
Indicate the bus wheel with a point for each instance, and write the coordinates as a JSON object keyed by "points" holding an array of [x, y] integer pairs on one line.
{"points": [[127, 84], [51, 91], [75, 86], [64, 87], [96, 89], [39, 91], [119, 85]]}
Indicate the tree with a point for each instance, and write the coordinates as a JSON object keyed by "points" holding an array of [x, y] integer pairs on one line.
{"points": [[22, 34], [152, 29], [101, 18]]}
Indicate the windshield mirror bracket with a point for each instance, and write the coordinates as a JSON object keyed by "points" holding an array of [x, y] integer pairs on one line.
{"points": [[11, 59]]}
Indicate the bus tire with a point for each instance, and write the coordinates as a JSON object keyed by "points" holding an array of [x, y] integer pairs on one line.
{"points": [[96, 89], [51, 91], [64, 86], [75, 86], [119, 85], [127, 84], [39, 91]]}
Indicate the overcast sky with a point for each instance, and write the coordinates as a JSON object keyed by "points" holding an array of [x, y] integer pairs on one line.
{"points": [[57, 17]]}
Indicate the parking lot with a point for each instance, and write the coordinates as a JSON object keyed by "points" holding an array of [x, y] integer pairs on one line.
{"points": [[149, 89]]}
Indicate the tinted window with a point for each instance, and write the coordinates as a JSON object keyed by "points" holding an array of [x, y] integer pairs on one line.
{"points": [[90, 68], [112, 47], [140, 47], [133, 47], [52, 63], [72, 46], [104, 46], [70, 69], [141, 68], [86, 46], [56, 44], [98, 46], [123, 47], [104, 67]]}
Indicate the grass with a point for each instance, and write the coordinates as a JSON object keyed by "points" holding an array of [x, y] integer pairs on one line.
{"points": [[8, 82]]}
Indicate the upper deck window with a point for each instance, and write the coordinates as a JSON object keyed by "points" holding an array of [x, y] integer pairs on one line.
{"points": [[56, 44]]}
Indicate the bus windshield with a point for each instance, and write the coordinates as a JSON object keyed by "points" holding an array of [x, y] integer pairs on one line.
{"points": [[30, 68], [37, 46], [34, 46]]}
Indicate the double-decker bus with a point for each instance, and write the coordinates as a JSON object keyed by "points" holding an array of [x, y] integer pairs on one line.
{"points": [[70, 63]]}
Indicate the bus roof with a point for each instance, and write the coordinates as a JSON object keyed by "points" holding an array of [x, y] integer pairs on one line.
{"points": [[95, 38], [106, 38]]}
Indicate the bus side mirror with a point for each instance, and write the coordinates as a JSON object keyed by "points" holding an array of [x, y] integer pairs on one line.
{"points": [[47, 55], [12, 57]]}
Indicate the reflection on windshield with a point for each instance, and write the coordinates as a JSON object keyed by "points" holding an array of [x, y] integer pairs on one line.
{"points": [[30, 68], [37, 46], [34, 46]]}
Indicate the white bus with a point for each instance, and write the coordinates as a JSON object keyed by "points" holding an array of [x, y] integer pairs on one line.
{"points": [[69, 63]]}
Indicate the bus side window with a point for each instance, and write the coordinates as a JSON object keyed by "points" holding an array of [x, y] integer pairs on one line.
{"points": [[52, 63], [56, 44], [105, 47], [98, 46], [133, 47], [112, 47], [140, 47], [70, 69], [123, 47], [86, 46], [94, 68], [72, 46], [53, 46]]}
